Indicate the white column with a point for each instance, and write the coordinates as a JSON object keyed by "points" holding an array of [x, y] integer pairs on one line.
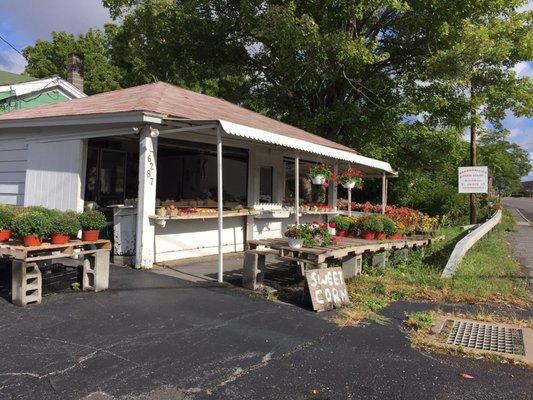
{"points": [[383, 193], [145, 252], [349, 202], [297, 189], [220, 205]]}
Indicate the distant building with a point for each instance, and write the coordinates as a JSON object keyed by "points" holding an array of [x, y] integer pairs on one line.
{"points": [[18, 92], [527, 188]]}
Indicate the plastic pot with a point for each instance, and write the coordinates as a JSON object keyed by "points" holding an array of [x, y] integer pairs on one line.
{"points": [[5, 234], [348, 185], [318, 180], [341, 233], [32, 241], [368, 235], [59, 238], [90, 236], [295, 243], [381, 236], [396, 236]]}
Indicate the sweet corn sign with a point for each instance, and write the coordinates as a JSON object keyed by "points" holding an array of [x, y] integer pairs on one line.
{"points": [[327, 288]]}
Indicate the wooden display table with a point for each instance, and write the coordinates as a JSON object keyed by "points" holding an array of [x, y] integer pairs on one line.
{"points": [[27, 278], [348, 250]]}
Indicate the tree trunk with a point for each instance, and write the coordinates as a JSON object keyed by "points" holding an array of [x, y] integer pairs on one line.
{"points": [[473, 156]]}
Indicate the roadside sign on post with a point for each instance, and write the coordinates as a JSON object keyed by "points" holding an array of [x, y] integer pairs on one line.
{"points": [[473, 179]]}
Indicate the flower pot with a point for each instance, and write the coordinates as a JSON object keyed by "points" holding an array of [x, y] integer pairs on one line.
{"points": [[59, 238], [5, 234], [380, 236], [318, 180], [368, 235], [296, 243], [396, 236], [341, 233], [31, 241], [90, 236], [348, 185], [352, 234]]}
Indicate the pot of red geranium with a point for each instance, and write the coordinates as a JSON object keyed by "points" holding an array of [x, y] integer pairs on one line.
{"points": [[319, 174], [64, 226], [91, 222], [31, 227], [351, 178], [7, 213], [370, 225]]}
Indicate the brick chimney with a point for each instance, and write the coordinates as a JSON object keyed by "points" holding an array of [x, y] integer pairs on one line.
{"points": [[75, 70]]}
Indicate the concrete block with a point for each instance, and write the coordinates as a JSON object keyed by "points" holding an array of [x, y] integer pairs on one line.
{"points": [[253, 270], [26, 284], [352, 266], [96, 271], [380, 259], [402, 254]]}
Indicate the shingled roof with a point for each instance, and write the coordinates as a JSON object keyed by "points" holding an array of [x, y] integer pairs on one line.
{"points": [[170, 101]]}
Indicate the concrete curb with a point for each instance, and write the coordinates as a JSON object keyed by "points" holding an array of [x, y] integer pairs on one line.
{"points": [[467, 242]]}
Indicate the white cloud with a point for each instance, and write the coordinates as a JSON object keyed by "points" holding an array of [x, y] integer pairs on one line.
{"points": [[524, 69]]}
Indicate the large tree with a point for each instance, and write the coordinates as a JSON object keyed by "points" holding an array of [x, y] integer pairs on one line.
{"points": [[48, 58]]}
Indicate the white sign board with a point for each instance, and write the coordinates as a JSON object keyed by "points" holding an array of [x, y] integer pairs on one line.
{"points": [[327, 288], [473, 179]]}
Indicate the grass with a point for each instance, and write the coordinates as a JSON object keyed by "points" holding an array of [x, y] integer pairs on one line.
{"points": [[487, 274], [420, 321]]}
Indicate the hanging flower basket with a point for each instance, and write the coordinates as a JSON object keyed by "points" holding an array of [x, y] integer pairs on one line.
{"points": [[319, 174], [296, 243], [351, 178]]}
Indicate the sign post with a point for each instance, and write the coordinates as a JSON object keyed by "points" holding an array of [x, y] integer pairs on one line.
{"points": [[473, 180]]}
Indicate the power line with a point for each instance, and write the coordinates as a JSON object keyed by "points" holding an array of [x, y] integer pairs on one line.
{"points": [[10, 45]]}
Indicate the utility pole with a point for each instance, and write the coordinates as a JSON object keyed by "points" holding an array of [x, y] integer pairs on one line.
{"points": [[473, 152]]}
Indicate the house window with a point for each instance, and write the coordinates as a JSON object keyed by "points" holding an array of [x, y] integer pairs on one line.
{"points": [[266, 185]]}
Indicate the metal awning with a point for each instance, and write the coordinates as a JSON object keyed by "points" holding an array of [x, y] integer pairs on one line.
{"points": [[259, 135]]}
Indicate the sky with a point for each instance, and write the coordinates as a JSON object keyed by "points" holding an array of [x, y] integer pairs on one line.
{"points": [[25, 21]]}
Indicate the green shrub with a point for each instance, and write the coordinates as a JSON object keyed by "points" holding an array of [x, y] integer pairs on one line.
{"points": [[31, 223], [7, 213], [92, 220], [66, 223], [370, 222], [341, 223], [43, 210]]}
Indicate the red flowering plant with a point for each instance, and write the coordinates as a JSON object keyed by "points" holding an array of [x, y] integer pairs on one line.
{"points": [[313, 234], [351, 176]]}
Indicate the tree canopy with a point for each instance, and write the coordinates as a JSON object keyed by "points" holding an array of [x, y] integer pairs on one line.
{"points": [[397, 80]]}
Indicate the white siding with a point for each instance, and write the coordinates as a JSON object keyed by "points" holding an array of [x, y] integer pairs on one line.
{"points": [[54, 175], [13, 156]]}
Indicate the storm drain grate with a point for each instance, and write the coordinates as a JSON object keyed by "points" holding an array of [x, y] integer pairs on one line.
{"points": [[482, 336]]}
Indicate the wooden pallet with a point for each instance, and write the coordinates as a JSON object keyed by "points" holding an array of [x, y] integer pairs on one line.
{"points": [[344, 248], [15, 249]]}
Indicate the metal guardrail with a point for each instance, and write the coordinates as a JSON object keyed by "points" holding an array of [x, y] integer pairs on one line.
{"points": [[467, 242]]}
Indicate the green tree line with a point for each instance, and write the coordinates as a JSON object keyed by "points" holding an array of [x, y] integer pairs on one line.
{"points": [[397, 80]]}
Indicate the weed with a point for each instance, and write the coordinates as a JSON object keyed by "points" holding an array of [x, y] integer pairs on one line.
{"points": [[420, 321]]}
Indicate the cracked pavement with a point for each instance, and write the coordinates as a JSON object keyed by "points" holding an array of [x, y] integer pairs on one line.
{"points": [[156, 337]]}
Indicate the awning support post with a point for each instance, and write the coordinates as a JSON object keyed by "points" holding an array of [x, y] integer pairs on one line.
{"points": [[297, 189], [145, 233], [332, 188], [383, 193], [349, 202], [220, 205]]}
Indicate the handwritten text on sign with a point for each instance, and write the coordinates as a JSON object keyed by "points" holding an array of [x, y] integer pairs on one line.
{"points": [[327, 288], [473, 179]]}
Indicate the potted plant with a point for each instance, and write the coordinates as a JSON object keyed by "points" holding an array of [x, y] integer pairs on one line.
{"points": [[296, 235], [341, 225], [319, 174], [91, 222], [31, 227], [353, 227], [389, 227], [399, 230], [369, 225], [351, 178], [7, 213], [64, 226]]}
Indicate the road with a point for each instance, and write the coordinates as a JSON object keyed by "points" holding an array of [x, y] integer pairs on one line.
{"points": [[521, 240], [157, 337]]}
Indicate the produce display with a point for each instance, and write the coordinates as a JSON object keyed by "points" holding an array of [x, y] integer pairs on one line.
{"points": [[177, 209], [315, 208]]}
